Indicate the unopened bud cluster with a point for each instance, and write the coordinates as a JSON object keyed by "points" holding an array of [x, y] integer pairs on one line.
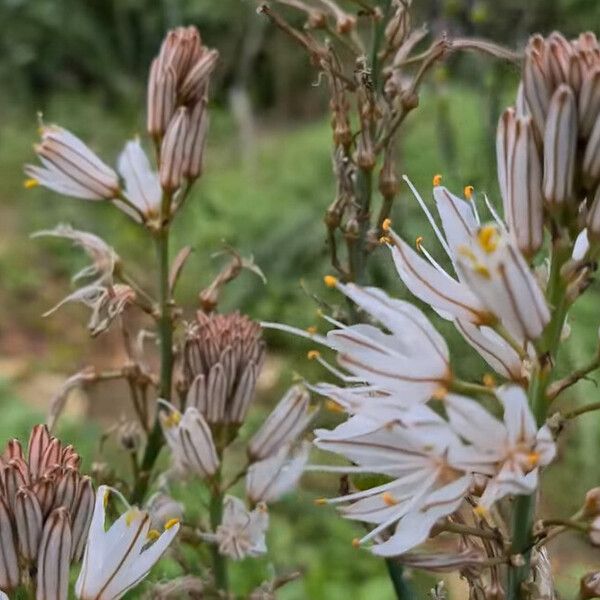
{"points": [[548, 145]]}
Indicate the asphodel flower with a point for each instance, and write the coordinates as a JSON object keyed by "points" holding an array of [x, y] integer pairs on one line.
{"points": [[118, 559], [142, 185], [69, 167], [223, 356], [424, 484], [494, 285], [45, 511], [190, 441], [241, 532], [510, 452]]}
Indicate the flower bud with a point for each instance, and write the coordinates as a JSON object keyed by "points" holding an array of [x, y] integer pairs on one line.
{"points": [[194, 85], [560, 145], [195, 141], [591, 157], [222, 358], [162, 97], [172, 153], [520, 179], [589, 102]]}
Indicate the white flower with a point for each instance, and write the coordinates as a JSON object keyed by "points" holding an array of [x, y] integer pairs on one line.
{"points": [[425, 486], [241, 532], [494, 284], [510, 452], [190, 441], [103, 256], [117, 560], [288, 420], [142, 187], [269, 479], [71, 168], [410, 362]]}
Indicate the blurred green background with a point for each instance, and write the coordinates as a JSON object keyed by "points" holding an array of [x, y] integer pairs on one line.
{"points": [[267, 183]]}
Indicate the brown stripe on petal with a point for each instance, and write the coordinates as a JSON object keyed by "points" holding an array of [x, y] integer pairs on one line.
{"points": [[9, 566], [38, 441], [28, 521], [54, 557]]}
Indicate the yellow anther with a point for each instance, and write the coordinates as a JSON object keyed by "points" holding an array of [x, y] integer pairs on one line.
{"points": [[320, 501], [533, 458], [312, 330], [386, 225], [330, 281], [418, 242], [480, 511], [130, 515], [481, 270], [440, 393], [488, 238], [469, 190], [173, 419], [171, 523], [437, 180], [313, 354], [489, 380], [389, 499], [153, 535], [30, 183], [333, 406], [356, 543], [385, 239]]}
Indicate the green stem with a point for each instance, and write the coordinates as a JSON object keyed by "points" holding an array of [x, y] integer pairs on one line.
{"points": [[165, 332], [547, 347], [216, 514], [401, 587], [358, 249]]}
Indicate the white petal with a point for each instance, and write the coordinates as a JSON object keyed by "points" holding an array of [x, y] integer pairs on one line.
{"points": [[142, 186]]}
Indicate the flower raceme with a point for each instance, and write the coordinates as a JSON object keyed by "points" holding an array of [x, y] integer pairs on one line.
{"points": [[178, 123]]}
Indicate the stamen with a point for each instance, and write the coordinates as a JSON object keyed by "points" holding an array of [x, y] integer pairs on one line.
{"points": [[437, 180], [481, 511], [488, 238], [311, 329], [333, 406], [533, 459], [171, 523], [313, 354], [30, 183], [356, 543], [440, 393], [425, 252], [386, 225], [470, 195], [429, 216], [389, 499], [320, 501], [489, 380], [493, 212], [330, 281], [153, 535]]}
